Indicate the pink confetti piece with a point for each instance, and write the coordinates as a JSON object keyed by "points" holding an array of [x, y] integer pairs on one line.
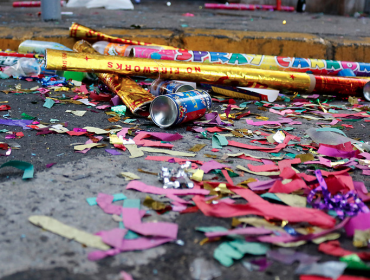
{"points": [[159, 135], [125, 276], [142, 187], [49, 165], [132, 221], [103, 107], [211, 165]]}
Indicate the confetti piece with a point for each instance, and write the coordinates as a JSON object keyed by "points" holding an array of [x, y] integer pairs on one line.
{"points": [[197, 147], [173, 153], [22, 165], [76, 113], [113, 152], [129, 176], [134, 151], [50, 224], [198, 175], [48, 103], [116, 197]]}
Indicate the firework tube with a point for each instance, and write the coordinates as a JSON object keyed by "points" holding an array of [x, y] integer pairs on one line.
{"points": [[31, 4], [14, 54], [131, 94], [83, 32], [206, 73], [234, 6], [280, 63]]}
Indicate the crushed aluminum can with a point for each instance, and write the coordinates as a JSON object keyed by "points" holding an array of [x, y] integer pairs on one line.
{"points": [[367, 91], [180, 107], [161, 87]]}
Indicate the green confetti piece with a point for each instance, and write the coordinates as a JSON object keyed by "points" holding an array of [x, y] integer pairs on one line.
{"points": [[116, 197], [211, 229], [224, 259], [218, 141], [290, 155], [25, 166], [3, 130], [131, 203], [271, 196], [331, 129], [252, 248], [244, 104], [276, 154], [27, 117], [352, 120], [49, 103], [219, 172], [3, 75], [129, 120], [120, 109], [354, 262]]}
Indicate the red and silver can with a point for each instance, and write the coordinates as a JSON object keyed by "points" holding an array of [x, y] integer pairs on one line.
{"points": [[176, 108], [160, 87]]}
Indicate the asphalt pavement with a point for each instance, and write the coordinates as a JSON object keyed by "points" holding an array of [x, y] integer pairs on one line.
{"points": [[154, 14], [28, 252]]}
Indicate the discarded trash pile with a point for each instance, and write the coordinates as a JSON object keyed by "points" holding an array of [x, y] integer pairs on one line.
{"points": [[309, 195]]}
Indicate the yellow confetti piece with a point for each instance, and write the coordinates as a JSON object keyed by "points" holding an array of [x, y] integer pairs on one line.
{"points": [[53, 225], [95, 130], [147, 172], [114, 139], [197, 147], [292, 199], [153, 204], [222, 188], [87, 146], [134, 151], [76, 112], [198, 175], [262, 118], [129, 176]]}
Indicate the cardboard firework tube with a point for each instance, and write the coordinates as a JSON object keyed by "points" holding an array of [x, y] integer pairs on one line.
{"points": [[83, 32], [199, 72], [132, 95], [267, 62]]}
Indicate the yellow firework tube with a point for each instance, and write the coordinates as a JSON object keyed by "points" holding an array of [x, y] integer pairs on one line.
{"points": [[79, 31], [175, 70]]}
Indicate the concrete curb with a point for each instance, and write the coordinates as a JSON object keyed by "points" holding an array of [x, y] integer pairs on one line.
{"points": [[267, 43]]}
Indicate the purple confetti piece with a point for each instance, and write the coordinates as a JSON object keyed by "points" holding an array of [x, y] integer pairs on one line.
{"points": [[22, 123], [113, 152], [348, 204], [50, 164], [263, 263]]}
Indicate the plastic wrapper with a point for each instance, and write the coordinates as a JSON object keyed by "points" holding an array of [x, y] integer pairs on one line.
{"points": [[132, 95], [328, 137], [24, 67], [39, 47]]}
